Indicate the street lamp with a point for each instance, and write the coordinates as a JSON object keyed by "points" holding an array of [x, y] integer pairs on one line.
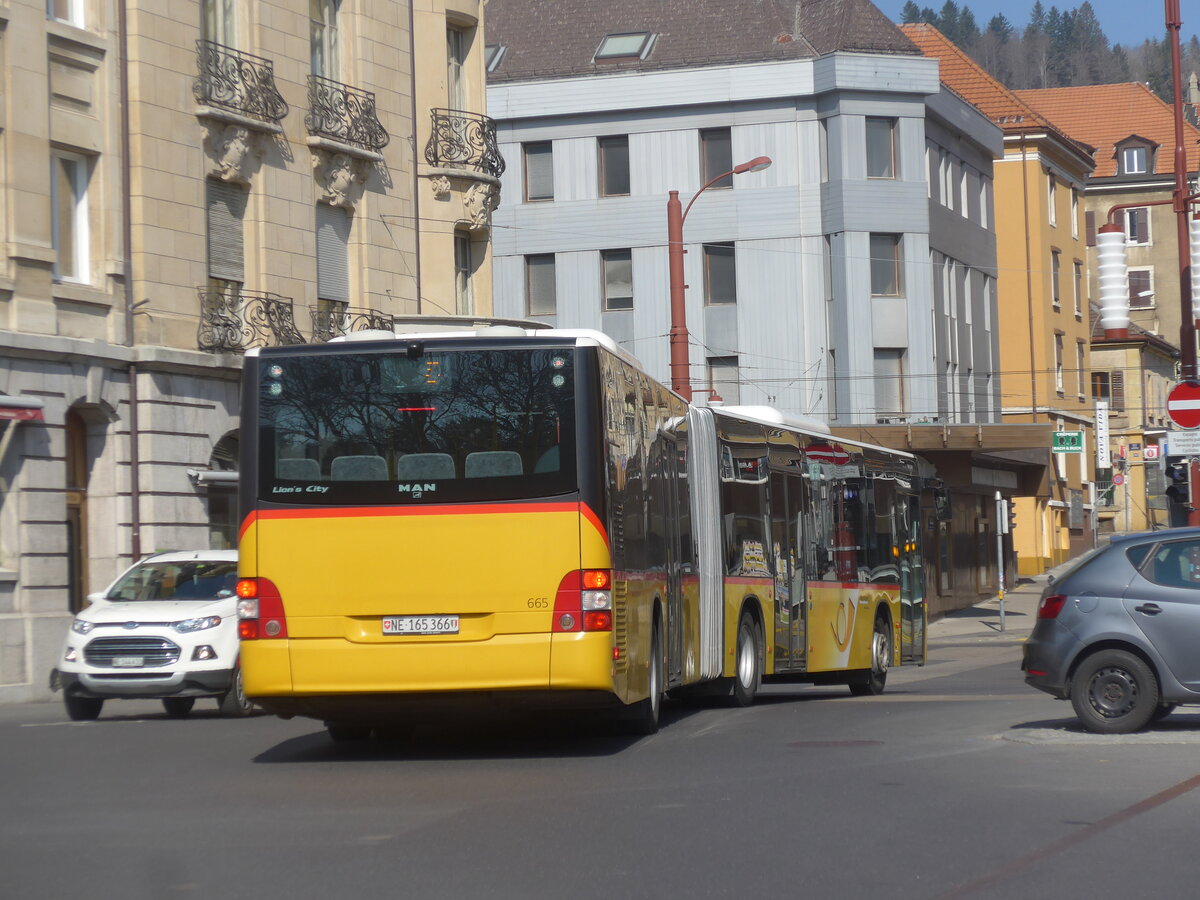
{"points": [[681, 381]]}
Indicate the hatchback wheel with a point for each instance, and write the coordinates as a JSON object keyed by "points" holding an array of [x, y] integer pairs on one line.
{"points": [[1114, 692]]}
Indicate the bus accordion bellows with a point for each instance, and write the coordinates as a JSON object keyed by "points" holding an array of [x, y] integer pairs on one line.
{"points": [[441, 520]]}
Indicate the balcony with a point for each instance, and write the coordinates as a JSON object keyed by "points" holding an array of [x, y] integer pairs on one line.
{"points": [[330, 320], [235, 320], [464, 140], [239, 83], [344, 114]]}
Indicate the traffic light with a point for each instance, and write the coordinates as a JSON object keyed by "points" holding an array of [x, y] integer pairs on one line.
{"points": [[1012, 516]]}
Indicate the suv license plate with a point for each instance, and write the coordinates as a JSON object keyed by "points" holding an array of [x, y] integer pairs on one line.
{"points": [[128, 662], [420, 625]]}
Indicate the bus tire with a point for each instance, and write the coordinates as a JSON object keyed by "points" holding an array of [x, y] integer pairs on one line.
{"points": [[872, 682], [747, 676], [642, 717]]}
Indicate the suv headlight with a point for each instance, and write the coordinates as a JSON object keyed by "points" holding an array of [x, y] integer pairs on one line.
{"points": [[82, 626], [189, 625]]}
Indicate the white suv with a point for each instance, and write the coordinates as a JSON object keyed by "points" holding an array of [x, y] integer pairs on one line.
{"points": [[167, 629]]}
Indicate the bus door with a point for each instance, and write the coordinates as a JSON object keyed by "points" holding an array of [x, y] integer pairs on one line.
{"points": [[913, 606], [786, 541], [668, 502]]}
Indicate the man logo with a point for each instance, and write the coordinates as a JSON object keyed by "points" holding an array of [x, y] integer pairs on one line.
{"points": [[416, 489]]}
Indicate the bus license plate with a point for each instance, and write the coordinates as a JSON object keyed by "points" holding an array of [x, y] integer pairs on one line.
{"points": [[420, 625]]}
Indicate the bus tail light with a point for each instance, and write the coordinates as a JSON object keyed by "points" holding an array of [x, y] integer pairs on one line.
{"points": [[1050, 607], [260, 610], [583, 601]]}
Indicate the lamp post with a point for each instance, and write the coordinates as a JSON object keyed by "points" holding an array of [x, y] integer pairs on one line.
{"points": [[681, 381]]}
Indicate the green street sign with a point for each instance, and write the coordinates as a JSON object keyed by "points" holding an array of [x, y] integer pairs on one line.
{"points": [[1068, 442]]}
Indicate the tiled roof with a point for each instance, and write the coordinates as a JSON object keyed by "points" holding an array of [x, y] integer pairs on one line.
{"points": [[1104, 114], [972, 82], [556, 38]]}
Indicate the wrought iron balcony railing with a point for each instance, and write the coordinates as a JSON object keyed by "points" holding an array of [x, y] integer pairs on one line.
{"points": [[330, 322], [466, 140], [238, 320], [239, 82], [344, 114]]}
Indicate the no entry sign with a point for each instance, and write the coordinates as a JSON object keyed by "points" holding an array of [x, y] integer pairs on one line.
{"points": [[1183, 404]]}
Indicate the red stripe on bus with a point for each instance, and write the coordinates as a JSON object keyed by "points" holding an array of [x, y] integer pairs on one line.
{"points": [[748, 579], [473, 509], [854, 585]]}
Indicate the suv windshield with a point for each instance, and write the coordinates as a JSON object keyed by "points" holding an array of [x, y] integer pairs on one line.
{"points": [[387, 428], [188, 580]]}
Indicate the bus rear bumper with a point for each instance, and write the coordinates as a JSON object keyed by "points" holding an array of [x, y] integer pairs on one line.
{"points": [[416, 707]]}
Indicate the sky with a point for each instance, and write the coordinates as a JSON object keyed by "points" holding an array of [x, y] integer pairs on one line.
{"points": [[1127, 22]]}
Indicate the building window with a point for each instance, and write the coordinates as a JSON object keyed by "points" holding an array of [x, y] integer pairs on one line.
{"points": [[889, 383], [225, 209], [457, 44], [720, 274], [1080, 368], [323, 37], [632, 45], [69, 220], [887, 278], [1110, 387], [1137, 225], [69, 11], [831, 402], [333, 270], [985, 202], [540, 290], [618, 279], [217, 22], [827, 266], [1074, 213], [1055, 272], [723, 382], [822, 148], [881, 147], [614, 165], [1052, 197], [1078, 289], [493, 56], [539, 171], [1134, 160], [464, 293], [1058, 362], [716, 156], [1141, 288]]}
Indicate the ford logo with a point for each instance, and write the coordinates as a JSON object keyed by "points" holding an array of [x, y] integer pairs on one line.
{"points": [[129, 626]]}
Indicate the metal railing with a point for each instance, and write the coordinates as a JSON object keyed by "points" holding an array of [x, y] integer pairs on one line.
{"points": [[344, 114], [239, 320], [331, 322], [464, 139], [239, 82]]}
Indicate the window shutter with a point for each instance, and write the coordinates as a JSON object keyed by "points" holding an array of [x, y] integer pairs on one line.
{"points": [[1118, 391], [226, 209], [333, 238], [1089, 219]]}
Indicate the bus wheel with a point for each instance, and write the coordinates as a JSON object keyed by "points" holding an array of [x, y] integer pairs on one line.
{"points": [[342, 732], [748, 676], [871, 683], [642, 717]]}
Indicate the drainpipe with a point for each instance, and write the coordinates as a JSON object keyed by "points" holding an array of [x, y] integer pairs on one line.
{"points": [[416, 180], [135, 493]]}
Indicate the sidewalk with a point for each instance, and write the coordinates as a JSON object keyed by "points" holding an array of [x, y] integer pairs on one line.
{"points": [[983, 621]]}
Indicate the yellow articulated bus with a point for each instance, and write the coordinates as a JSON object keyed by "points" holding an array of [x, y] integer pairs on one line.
{"points": [[523, 516]]}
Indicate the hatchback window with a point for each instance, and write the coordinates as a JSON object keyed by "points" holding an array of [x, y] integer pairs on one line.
{"points": [[190, 580], [1137, 555]]}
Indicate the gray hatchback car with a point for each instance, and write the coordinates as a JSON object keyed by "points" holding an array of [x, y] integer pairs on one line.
{"points": [[1119, 632]]}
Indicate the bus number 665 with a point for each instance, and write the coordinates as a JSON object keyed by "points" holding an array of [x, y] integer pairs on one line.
{"points": [[537, 602]]}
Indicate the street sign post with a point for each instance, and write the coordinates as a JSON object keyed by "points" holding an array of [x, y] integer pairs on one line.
{"points": [[1183, 404]]}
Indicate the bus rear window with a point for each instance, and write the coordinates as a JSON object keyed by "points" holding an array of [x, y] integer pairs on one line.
{"points": [[444, 426]]}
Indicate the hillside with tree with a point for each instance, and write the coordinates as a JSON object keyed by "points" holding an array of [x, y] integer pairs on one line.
{"points": [[1055, 48]]}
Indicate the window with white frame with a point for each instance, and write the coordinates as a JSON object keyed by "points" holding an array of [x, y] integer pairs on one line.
{"points": [[887, 277], [539, 171], [823, 148], [1135, 160], [1055, 275], [716, 156], [464, 268], [889, 382], [618, 279], [881, 147], [613, 153], [457, 45], [323, 37], [69, 217], [626, 46], [1074, 213], [1077, 286], [1058, 362], [1141, 288], [541, 297], [225, 211], [1080, 367], [723, 380], [1137, 225], [720, 274], [69, 11], [217, 22], [1052, 198], [333, 267]]}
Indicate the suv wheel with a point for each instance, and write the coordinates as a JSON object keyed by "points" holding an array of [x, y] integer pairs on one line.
{"points": [[83, 709], [1114, 692]]}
